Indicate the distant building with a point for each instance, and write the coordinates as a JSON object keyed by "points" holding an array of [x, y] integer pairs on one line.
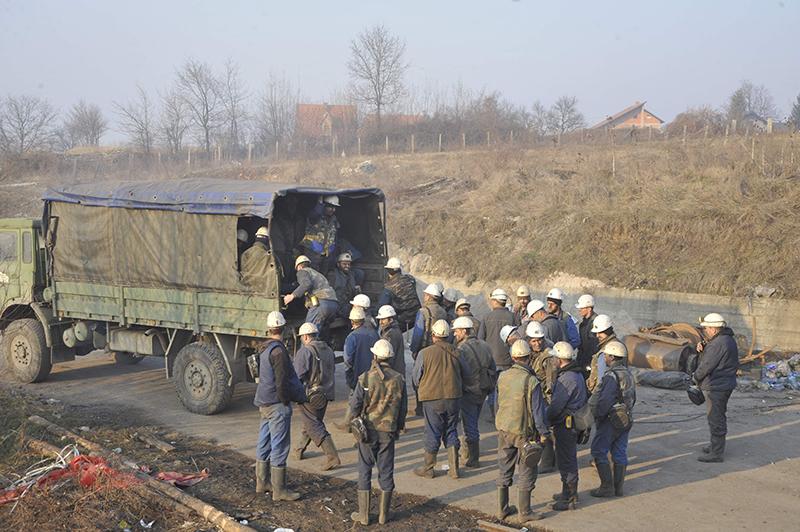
{"points": [[322, 121], [635, 116]]}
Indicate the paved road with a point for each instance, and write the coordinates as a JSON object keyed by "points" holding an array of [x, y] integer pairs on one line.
{"points": [[756, 488]]}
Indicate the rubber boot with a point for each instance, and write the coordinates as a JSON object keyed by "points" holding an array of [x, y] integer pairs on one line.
{"points": [[279, 491], [383, 506], [262, 476], [606, 488], [298, 452], [619, 478], [524, 512], [547, 463], [473, 454], [716, 450], [362, 515], [706, 449], [426, 470], [563, 494], [503, 509], [570, 501], [330, 451], [464, 452], [452, 462]]}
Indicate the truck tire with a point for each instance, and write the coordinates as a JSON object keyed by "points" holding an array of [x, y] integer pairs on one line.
{"points": [[201, 379], [123, 358], [26, 350]]}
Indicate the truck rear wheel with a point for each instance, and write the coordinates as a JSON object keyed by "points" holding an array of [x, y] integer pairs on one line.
{"points": [[201, 379], [26, 350], [123, 358]]}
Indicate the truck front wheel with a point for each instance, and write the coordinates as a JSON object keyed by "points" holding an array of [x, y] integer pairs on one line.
{"points": [[201, 379], [26, 350]]}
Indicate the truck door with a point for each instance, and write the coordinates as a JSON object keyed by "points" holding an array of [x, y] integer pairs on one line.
{"points": [[9, 266]]}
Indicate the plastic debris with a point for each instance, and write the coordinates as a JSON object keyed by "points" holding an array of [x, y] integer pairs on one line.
{"points": [[182, 480], [146, 525], [782, 375]]}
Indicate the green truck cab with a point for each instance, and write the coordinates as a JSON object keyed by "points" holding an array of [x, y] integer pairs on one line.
{"points": [[152, 269]]}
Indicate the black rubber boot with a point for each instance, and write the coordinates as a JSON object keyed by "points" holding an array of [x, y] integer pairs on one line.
{"points": [[503, 509], [563, 495], [524, 512], [262, 476], [619, 478], [279, 491], [473, 454], [426, 470], [716, 450], [452, 462], [606, 488], [362, 515], [383, 506], [571, 500], [330, 452]]}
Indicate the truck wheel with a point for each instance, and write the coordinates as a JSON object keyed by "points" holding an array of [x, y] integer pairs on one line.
{"points": [[26, 350], [201, 379], [123, 358]]}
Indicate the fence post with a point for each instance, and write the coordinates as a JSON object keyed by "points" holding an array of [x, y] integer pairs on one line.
{"points": [[684, 135], [440, 142], [387, 143], [464, 141], [511, 138], [412, 143], [189, 158], [725, 141], [249, 152], [359, 146], [753, 150], [705, 132], [769, 126], [488, 140]]}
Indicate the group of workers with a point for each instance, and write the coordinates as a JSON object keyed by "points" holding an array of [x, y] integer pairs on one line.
{"points": [[547, 379]]}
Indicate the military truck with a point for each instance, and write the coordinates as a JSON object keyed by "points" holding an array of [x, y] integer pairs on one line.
{"points": [[152, 269]]}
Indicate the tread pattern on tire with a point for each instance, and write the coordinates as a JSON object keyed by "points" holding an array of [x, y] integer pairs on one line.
{"points": [[221, 393], [34, 332]]}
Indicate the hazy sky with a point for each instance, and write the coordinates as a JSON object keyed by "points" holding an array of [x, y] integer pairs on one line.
{"points": [[673, 54]]}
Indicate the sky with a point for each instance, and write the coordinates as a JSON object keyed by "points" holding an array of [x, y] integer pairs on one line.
{"points": [[609, 54]]}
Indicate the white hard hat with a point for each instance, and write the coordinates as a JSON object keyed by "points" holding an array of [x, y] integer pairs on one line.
{"points": [[534, 329], [555, 293], [440, 329], [345, 257], [585, 301], [601, 323], [506, 331], [393, 264], [262, 231], [523, 291], [440, 286], [499, 294], [382, 349], [275, 319], [242, 235], [462, 303], [451, 294], [300, 260], [520, 349], [616, 349], [713, 320], [331, 200], [308, 328], [386, 311], [361, 300], [564, 350], [463, 322], [433, 290], [534, 306], [357, 313]]}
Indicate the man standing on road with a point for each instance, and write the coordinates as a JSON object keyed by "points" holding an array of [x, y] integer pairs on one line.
{"points": [[439, 376], [498, 317], [569, 330], [315, 365], [569, 396], [476, 356], [343, 282], [604, 331], [463, 308], [716, 376], [551, 325], [381, 396], [357, 354], [617, 387], [390, 331], [589, 342], [521, 306], [421, 336], [520, 420], [278, 387], [320, 297], [545, 367], [400, 291]]}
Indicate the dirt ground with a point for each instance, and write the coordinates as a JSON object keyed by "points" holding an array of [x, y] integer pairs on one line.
{"points": [[667, 489]]}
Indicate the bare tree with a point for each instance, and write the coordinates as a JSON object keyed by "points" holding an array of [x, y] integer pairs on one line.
{"points": [[83, 126], [234, 95], [276, 112], [174, 121], [538, 119], [376, 66], [200, 91], [136, 120], [750, 98], [26, 124], [564, 116]]}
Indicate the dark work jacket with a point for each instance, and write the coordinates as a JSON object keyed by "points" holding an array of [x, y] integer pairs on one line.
{"points": [[357, 354], [552, 329], [719, 363], [313, 283], [589, 343], [569, 393], [616, 376], [489, 332], [393, 335], [277, 380], [400, 292], [317, 355], [344, 284]]}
